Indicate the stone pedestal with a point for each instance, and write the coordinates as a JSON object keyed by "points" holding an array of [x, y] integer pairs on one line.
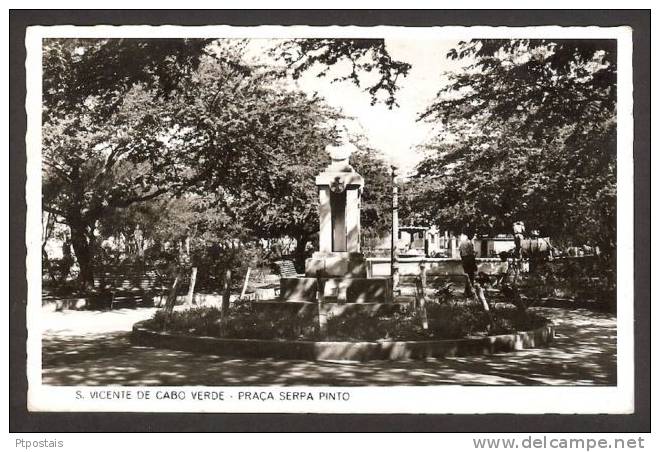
{"points": [[338, 290], [340, 190], [335, 265], [338, 265]]}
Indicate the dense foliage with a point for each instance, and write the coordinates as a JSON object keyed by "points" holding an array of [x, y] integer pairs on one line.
{"points": [[360, 61], [171, 141], [101, 131], [167, 140], [528, 133]]}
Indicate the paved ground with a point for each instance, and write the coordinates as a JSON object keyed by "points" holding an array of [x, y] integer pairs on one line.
{"points": [[93, 348]]}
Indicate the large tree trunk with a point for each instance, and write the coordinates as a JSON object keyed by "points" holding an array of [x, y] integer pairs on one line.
{"points": [[84, 254]]}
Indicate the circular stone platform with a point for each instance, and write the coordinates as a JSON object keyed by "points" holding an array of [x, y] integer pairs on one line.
{"points": [[352, 351]]}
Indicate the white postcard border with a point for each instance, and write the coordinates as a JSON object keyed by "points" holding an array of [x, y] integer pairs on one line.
{"points": [[395, 399]]}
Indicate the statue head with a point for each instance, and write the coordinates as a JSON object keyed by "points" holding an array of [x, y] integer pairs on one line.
{"points": [[341, 153]]}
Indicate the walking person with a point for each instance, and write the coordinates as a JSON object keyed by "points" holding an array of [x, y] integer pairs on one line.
{"points": [[468, 259], [518, 235]]}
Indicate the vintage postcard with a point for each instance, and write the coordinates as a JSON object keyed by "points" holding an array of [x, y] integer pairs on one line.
{"points": [[330, 219]]}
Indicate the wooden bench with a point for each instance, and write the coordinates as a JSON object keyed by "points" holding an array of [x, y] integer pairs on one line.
{"points": [[119, 286], [287, 269]]}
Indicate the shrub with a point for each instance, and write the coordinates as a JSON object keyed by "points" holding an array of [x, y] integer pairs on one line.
{"points": [[242, 321], [451, 320], [454, 319]]}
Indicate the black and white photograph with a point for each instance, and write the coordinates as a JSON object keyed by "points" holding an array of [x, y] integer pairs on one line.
{"points": [[330, 219]]}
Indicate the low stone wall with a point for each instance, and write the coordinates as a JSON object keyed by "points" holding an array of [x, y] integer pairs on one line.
{"points": [[353, 351], [410, 266], [357, 290]]}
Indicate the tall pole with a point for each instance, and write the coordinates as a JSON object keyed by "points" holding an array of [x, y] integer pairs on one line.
{"points": [[394, 258]]}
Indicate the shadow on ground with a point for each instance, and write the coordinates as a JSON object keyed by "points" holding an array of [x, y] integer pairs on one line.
{"points": [[584, 353]]}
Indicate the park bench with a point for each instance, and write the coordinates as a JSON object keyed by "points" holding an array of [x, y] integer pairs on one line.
{"points": [[287, 269], [128, 286]]}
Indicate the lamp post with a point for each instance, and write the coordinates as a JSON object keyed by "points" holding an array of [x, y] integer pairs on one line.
{"points": [[394, 258]]}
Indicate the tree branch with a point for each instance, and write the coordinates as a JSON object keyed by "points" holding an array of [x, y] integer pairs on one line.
{"points": [[127, 202], [58, 170]]}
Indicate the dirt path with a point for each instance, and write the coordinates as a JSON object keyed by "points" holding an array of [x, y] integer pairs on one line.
{"points": [[93, 348]]}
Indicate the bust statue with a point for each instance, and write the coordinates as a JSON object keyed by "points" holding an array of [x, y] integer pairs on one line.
{"points": [[341, 153]]}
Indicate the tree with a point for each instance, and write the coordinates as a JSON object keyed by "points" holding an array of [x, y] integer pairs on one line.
{"points": [[99, 110], [260, 143], [126, 121], [358, 57], [279, 199], [529, 133], [117, 133], [376, 202], [170, 233]]}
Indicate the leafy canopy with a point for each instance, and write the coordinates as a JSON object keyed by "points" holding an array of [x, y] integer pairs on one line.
{"points": [[528, 133], [360, 61]]}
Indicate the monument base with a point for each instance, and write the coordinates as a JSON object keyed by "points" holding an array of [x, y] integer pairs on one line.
{"points": [[336, 265], [342, 290]]}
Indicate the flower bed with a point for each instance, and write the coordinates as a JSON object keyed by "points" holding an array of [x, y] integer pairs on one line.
{"points": [[450, 320]]}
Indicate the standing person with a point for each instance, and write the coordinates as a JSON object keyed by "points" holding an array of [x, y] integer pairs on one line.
{"points": [[535, 253], [518, 235], [468, 259], [67, 258]]}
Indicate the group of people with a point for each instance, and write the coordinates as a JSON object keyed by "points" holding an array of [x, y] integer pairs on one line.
{"points": [[469, 258]]}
